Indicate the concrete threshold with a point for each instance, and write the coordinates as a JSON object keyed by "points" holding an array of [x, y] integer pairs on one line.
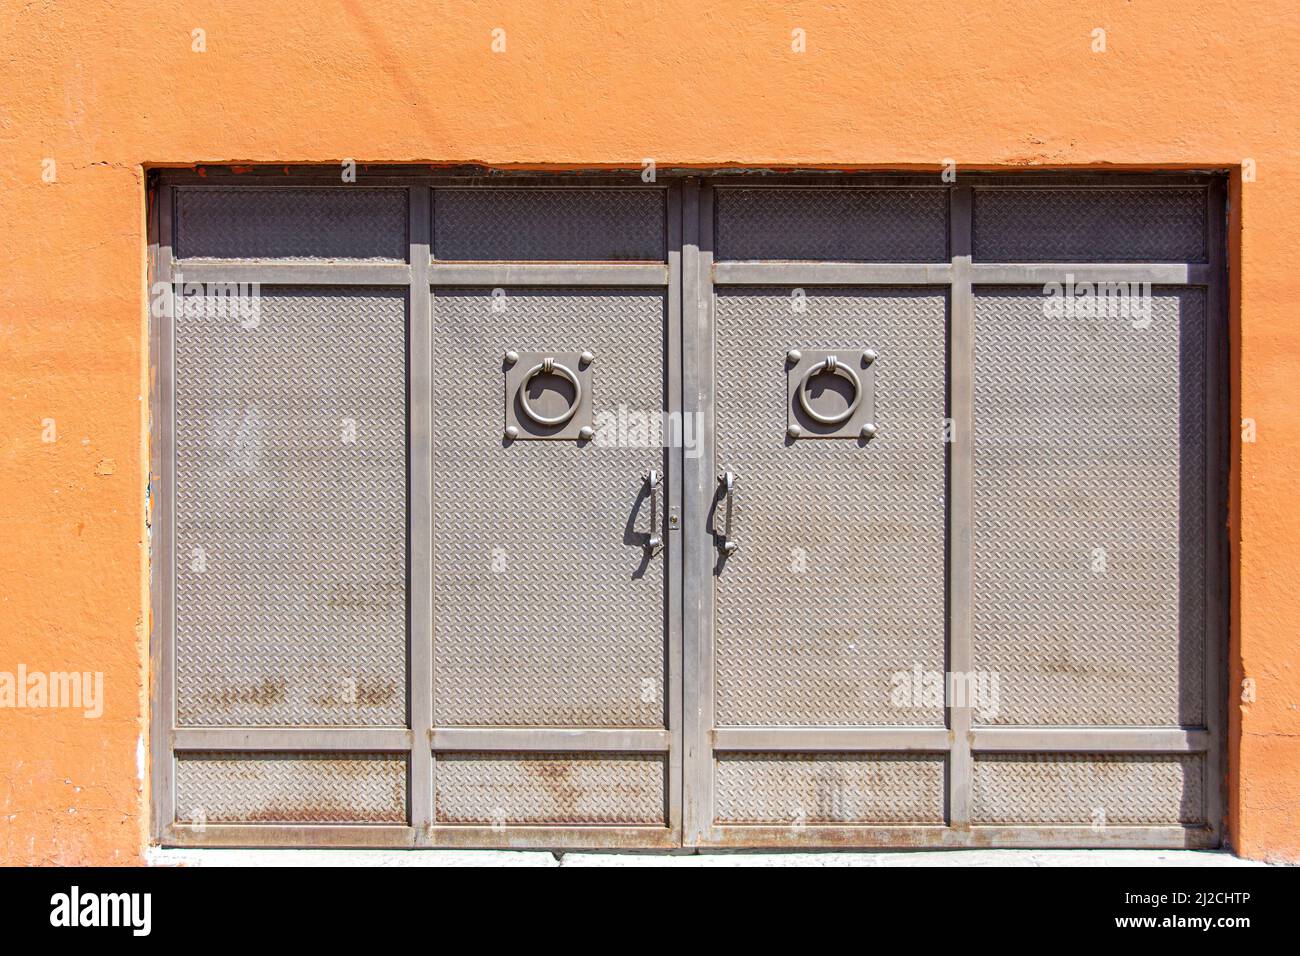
{"points": [[158, 856]]}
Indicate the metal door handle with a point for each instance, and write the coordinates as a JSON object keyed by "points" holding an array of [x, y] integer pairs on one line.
{"points": [[653, 540], [548, 366], [835, 367], [727, 545]]}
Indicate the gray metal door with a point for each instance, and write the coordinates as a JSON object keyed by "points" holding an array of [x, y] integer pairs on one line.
{"points": [[756, 511], [952, 576], [552, 641], [418, 579]]}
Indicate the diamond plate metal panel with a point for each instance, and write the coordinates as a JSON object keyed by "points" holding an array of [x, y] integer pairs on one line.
{"points": [[549, 224], [1096, 790], [505, 789], [1089, 511], [837, 591], [1090, 224], [255, 222], [825, 788], [548, 608], [220, 787], [842, 224], [291, 511]]}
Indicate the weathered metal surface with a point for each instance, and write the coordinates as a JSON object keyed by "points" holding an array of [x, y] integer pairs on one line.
{"points": [[290, 788], [502, 789], [838, 585], [829, 223], [291, 510], [1096, 790], [1089, 554], [798, 789], [1090, 224], [257, 222]]}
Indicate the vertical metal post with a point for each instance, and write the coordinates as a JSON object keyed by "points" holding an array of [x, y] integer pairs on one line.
{"points": [[1217, 457], [419, 511], [697, 391], [673, 466], [961, 352], [162, 496]]}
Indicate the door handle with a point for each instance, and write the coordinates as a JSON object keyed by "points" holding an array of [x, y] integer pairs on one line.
{"points": [[653, 540], [728, 546]]}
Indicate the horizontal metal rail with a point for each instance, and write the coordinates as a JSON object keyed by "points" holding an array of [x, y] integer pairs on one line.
{"points": [[279, 272], [528, 738], [940, 273], [832, 739]]}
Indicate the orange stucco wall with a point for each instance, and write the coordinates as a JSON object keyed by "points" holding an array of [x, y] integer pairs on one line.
{"points": [[104, 89]]}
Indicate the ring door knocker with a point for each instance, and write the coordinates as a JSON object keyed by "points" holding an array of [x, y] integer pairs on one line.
{"points": [[549, 366], [832, 366], [855, 420], [525, 420]]}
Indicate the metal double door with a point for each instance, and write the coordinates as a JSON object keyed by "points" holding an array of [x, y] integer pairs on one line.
{"points": [[706, 565], [738, 513]]}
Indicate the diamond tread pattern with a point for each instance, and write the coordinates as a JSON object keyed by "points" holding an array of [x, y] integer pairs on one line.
{"points": [[839, 582], [547, 609], [550, 788], [290, 539], [549, 224], [821, 223], [1089, 512], [1090, 225], [252, 222], [220, 787], [1088, 789], [812, 788]]}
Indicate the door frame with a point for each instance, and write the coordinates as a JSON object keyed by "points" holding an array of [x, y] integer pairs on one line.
{"points": [[689, 739]]}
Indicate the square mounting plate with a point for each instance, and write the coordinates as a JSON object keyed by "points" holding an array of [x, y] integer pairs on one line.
{"points": [[830, 393], [548, 396]]}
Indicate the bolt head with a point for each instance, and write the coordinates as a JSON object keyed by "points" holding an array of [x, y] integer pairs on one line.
{"points": [[512, 357], [512, 432], [868, 431], [869, 356], [586, 433], [794, 431], [793, 356], [586, 358]]}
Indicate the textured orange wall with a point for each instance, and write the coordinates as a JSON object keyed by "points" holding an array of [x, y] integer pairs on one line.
{"points": [[105, 88]]}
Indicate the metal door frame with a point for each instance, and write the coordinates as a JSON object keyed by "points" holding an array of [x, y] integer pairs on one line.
{"points": [[419, 741], [958, 741], [689, 276]]}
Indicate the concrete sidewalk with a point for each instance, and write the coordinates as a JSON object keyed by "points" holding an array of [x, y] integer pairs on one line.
{"points": [[907, 858]]}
